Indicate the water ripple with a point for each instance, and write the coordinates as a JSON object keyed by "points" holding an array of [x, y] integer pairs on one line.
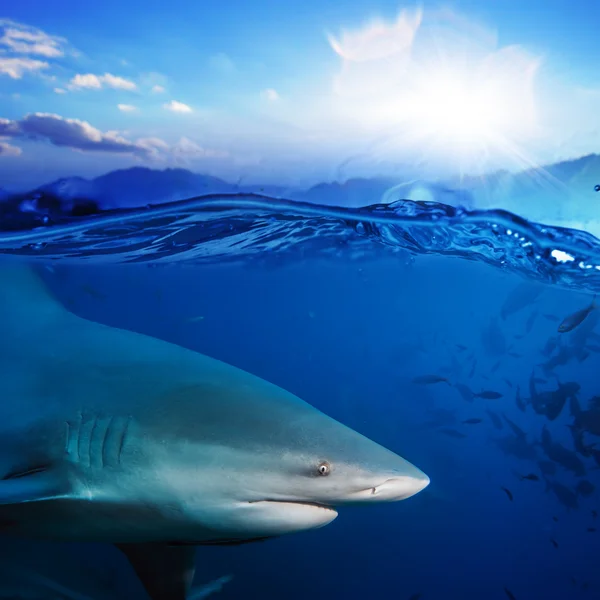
{"points": [[252, 227]]}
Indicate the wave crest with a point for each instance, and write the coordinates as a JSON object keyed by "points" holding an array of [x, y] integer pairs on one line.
{"points": [[239, 227]]}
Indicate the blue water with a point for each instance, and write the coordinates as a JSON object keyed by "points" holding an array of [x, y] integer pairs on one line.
{"points": [[344, 308]]}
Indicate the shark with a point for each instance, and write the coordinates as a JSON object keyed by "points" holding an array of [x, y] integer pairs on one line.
{"points": [[109, 435]]}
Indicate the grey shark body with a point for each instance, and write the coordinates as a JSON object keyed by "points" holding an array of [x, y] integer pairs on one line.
{"points": [[113, 436]]}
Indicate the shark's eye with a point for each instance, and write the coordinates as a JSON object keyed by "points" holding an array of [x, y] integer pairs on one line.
{"points": [[324, 468]]}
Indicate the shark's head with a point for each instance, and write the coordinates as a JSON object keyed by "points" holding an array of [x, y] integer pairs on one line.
{"points": [[279, 466], [305, 476]]}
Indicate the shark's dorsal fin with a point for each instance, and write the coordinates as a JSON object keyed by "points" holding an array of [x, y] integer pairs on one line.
{"points": [[165, 571], [25, 300]]}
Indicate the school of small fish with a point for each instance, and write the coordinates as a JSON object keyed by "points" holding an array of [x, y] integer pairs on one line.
{"points": [[576, 342]]}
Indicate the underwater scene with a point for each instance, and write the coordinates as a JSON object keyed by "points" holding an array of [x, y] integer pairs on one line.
{"points": [[334, 338]]}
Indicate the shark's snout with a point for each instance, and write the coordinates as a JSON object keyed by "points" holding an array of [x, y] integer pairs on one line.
{"points": [[399, 488], [392, 489]]}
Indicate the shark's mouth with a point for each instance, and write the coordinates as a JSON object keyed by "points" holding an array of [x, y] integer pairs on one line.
{"points": [[320, 512], [286, 516], [296, 502], [225, 542]]}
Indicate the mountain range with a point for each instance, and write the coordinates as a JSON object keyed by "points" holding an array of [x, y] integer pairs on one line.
{"points": [[557, 191]]}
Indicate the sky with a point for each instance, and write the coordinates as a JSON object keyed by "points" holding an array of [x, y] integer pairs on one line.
{"points": [[296, 91]]}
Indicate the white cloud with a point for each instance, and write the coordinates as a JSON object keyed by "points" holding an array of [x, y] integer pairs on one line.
{"points": [[222, 63], [378, 39], [153, 144], [81, 136], [8, 150], [178, 107], [157, 83], [15, 68], [118, 83], [59, 91], [88, 81], [23, 39], [69, 133], [127, 107], [96, 82], [189, 149], [270, 95]]}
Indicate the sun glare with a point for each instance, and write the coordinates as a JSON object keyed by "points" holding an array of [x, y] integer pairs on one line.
{"points": [[450, 105], [442, 89]]}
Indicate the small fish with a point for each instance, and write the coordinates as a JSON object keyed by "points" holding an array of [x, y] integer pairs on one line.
{"points": [[508, 493], [453, 433], [496, 420], [464, 391], [515, 354], [569, 323], [547, 467], [554, 542], [488, 395], [550, 346], [460, 347], [552, 318], [93, 292], [555, 519], [591, 529], [520, 404], [531, 321], [530, 477], [473, 421], [472, 371], [585, 488], [573, 580], [594, 514], [416, 596], [195, 319], [429, 379], [509, 594]]}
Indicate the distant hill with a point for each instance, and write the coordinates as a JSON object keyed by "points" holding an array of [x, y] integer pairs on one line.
{"points": [[138, 186], [562, 192], [555, 193], [354, 192]]}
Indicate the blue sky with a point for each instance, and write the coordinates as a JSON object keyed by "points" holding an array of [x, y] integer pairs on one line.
{"points": [[295, 91]]}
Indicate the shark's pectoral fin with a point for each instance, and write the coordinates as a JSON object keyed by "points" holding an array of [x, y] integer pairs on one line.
{"points": [[165, 571], [32, 485]]}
